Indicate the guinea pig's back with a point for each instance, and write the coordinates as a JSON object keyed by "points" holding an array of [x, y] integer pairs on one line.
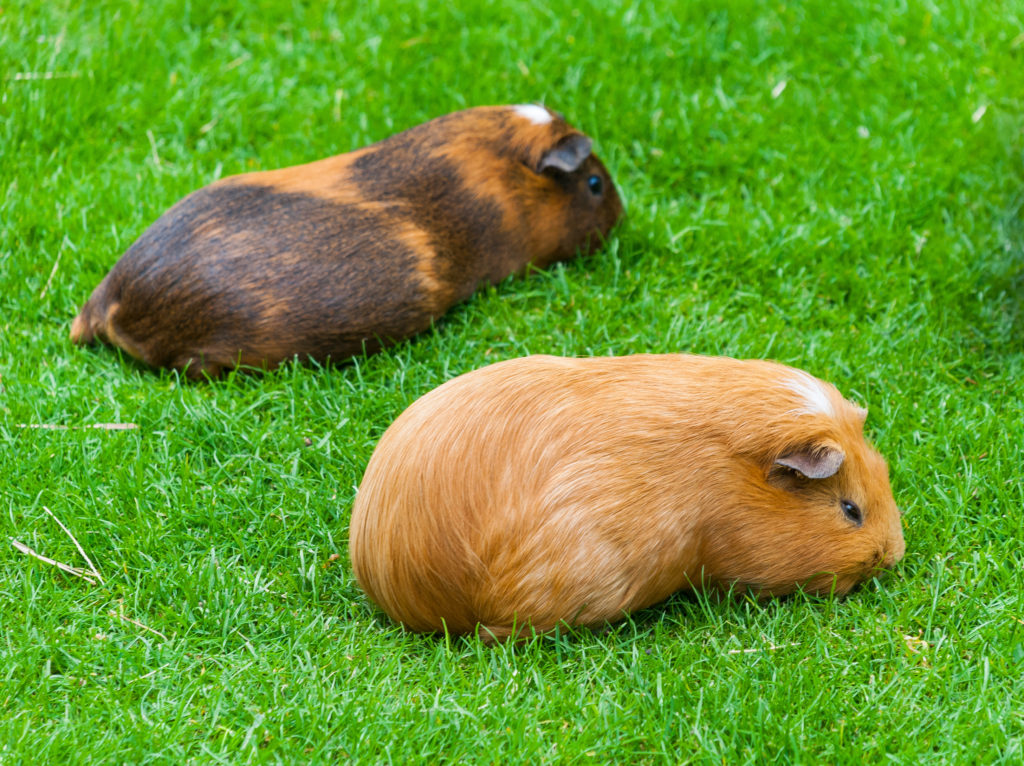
{"points": [[435, 479], [328, 258], [268, 262], [514, 490]]}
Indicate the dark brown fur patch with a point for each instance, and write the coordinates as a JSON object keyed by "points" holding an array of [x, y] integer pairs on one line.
{"points": [[274, 250], [328, 259]]}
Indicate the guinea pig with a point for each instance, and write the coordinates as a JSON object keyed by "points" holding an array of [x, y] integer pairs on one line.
{"points": [[545, 490], [337, 257]]}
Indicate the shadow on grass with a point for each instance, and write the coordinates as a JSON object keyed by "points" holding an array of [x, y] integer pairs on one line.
{"points": [[686, 615]]}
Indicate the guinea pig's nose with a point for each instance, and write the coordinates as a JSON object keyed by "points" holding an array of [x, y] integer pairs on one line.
{"points": [[891, 555]]}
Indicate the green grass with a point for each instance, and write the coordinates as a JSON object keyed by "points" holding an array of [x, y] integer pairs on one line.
{"points": [[865, 223]]}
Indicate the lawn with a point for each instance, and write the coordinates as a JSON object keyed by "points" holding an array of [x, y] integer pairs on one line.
{"points": [[838, 186]]}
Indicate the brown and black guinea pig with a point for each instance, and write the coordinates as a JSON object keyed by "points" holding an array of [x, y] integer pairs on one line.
{"points": [[337, 257], [545, 490]]}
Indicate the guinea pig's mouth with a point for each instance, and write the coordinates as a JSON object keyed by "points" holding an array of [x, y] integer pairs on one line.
{"points": [[877, 566], [840, 584], [883, 561]]}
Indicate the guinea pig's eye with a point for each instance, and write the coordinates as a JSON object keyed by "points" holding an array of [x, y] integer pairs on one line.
{"points": [[595, 185], [853, 513]]}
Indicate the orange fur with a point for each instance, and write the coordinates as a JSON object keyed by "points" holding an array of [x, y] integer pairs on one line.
{"points": [[546, 490]]}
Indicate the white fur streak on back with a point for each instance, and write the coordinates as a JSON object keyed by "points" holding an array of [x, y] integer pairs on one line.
{"points": [[535, 113], [812, 391]]}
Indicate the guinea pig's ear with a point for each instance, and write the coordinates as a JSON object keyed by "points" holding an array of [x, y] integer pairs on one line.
{"points": [[567, 155], [815, 461]]}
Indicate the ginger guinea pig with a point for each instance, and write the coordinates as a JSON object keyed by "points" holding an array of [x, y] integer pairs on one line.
{"points": [[545, 490], [335, 257]]}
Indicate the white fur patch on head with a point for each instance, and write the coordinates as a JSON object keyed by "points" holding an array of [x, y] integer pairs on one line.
{"points": [[813, 393], [535, 113]]}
